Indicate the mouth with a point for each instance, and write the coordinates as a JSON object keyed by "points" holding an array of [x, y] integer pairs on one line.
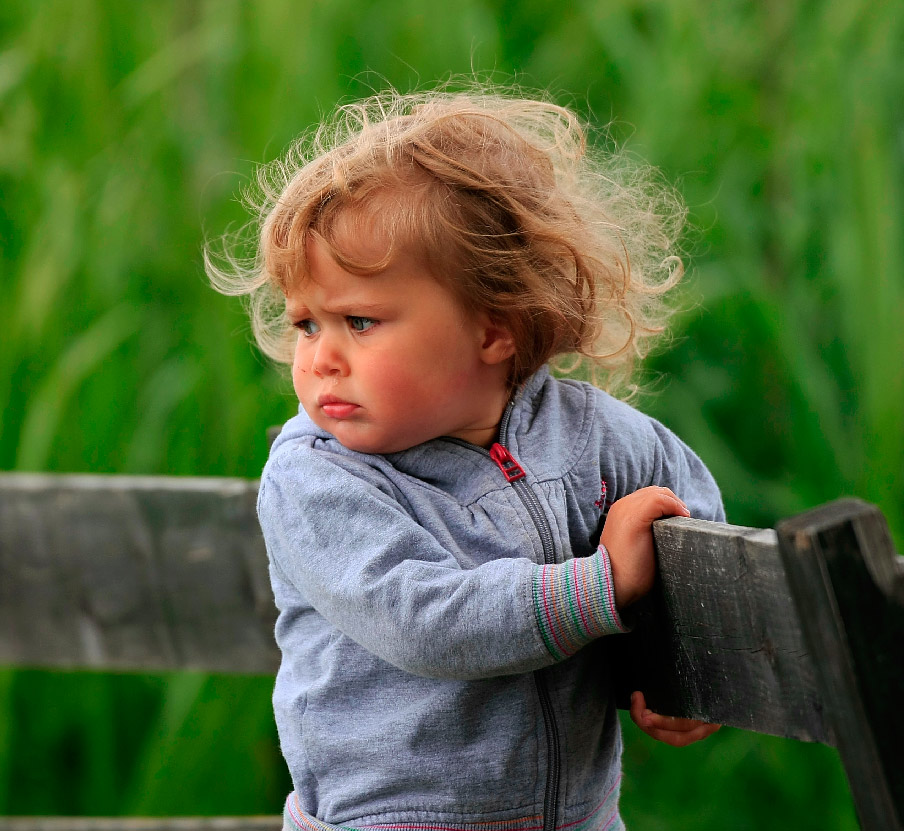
{"points": [[333, 407]]}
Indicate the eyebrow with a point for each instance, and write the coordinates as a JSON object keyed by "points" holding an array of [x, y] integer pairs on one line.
{"points": [[342, 310]]}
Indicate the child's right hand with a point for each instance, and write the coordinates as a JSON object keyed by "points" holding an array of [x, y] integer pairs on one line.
{"points": [[628, 538], [677, 732]]}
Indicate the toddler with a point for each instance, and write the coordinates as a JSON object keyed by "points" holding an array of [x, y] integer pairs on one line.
{"points": [[434, 513]]}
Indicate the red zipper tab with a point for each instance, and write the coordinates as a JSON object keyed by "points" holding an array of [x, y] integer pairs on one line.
{"points": [[506, 462]]}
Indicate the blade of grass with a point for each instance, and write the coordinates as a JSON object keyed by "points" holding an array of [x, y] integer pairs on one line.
{"points": [[146, 791], [47, 409]]}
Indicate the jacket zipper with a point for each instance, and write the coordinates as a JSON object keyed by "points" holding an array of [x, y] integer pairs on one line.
{"points": [[541, 680], [514, 475]]}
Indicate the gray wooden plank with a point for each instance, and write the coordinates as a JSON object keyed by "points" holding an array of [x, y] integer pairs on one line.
{"points": [[848, 583], [717, 638], [117, 572], [169, 573]]}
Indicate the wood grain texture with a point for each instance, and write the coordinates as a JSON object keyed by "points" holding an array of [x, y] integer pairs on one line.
{"points": [[116, 572], [717, 639], [848, 583]]}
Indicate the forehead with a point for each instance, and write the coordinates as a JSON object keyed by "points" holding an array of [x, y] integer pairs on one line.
{"points": [[322, 278], [334, 286]]}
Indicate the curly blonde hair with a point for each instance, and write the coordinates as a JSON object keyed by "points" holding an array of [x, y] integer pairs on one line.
{"points": [[572, 247]]}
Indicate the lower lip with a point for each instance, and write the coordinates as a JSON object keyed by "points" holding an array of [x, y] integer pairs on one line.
{"points": [[338, 410]]}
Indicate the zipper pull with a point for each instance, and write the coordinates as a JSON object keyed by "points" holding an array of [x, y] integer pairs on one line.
{"points": [[506, 462]]}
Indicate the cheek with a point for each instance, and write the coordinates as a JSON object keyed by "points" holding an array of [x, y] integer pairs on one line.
{"points": [[299, 373], [297, 385], [424, 379], [392, 379]]}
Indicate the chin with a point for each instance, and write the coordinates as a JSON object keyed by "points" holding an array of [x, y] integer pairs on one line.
{"points": [[363, 438], [377, 447], [353, 440], [374, 444]]}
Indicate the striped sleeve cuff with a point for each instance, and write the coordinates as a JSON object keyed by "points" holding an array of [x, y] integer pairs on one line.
{"points": [[575, 603]]}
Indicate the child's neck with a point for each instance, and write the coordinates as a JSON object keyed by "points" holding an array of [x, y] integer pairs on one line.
{"points": [[487, 432]]}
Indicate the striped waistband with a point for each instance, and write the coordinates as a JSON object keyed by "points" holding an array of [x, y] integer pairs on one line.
{"points": [[604, 817]]}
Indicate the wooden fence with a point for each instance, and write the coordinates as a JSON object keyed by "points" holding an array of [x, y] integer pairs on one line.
{"points": [[797, 632]]}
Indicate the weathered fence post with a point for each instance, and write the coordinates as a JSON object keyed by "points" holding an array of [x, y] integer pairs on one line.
{"points": [[848, 584], [717, 638], [796, 633]]}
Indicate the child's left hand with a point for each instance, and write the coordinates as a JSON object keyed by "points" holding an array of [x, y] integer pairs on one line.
{"points": [[678, 732]]}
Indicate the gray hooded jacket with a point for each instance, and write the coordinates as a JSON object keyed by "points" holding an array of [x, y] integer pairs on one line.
{"points": [[440, 611]]}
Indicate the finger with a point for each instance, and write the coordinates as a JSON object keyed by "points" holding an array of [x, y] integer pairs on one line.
{"points": [[678, 725], [638, 705], [644, 718], [672, 504], [658, 502], [670, 493], [682, 738], [669, 729]]}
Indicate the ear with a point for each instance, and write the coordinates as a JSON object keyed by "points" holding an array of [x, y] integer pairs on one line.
{"points": [[498, 344]]}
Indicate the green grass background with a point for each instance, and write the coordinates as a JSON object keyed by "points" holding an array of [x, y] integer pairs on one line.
{"points": [[126, 130]]}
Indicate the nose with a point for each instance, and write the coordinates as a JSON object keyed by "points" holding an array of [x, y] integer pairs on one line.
{"points": [[328, 358]]}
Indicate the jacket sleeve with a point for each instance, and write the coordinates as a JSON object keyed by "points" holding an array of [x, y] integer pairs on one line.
{"points": [[637, 451], [353, 553], [674, 465]]}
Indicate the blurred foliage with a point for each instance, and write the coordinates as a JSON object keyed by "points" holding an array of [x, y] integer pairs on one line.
{"points": [[126, 131]]}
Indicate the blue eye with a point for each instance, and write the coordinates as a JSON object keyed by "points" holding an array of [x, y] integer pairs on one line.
{"points": [[307, 327], [361, 324]]}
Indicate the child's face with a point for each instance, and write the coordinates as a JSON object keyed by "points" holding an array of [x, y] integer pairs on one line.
{"points": [[389, 360]]}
